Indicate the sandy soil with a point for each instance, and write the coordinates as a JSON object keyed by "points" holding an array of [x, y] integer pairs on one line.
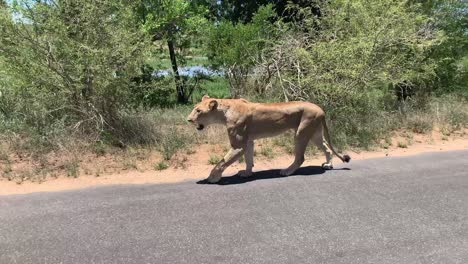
{"points": [[197, 166]]}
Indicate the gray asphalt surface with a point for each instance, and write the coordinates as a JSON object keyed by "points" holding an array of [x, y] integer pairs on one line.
{"points": [[391, 210]]}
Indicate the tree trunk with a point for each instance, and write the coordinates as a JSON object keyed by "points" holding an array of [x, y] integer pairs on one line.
{"points": [[181, 96]]}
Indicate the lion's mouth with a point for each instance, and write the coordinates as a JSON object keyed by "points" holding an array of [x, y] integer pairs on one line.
{"points": [[200, 127]]}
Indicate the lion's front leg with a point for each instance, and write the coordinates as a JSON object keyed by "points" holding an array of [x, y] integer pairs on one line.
{"points": [[231, 157]]}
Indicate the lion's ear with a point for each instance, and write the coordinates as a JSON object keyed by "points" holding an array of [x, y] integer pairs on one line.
{"points": [[205, 97], [213, 105]]}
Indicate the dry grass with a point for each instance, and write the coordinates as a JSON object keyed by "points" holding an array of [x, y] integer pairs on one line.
{"points": [[162, 165], [267, 151], [163, 137], [402, 144], [214, 159]]}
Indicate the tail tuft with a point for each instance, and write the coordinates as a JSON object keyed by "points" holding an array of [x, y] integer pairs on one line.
{"points": [[346, 158]]}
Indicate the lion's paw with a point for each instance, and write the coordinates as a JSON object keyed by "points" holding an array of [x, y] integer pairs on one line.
{"points": [[245, 173], [214, 177], [286, 172], [327, 166]]}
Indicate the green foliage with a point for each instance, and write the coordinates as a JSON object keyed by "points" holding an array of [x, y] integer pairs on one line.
{"points": [[162, 165], [451, 55], [68, 62], [178, 22], [241, 43], [285, 141], [267, 151], [84, 70], [347, 63], [165, 18], [458, 119], [73, 168], [402, 144], [170, 145], [214, 159], [236, 48], [243, 11], [420, 123], [149, 91], [217, 87], [363, 45]]}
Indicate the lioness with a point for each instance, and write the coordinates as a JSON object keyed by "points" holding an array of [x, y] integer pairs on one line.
{"points": [[248, 121]]}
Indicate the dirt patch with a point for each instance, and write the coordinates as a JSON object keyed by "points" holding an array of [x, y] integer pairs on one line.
{"points": [[193, 164]]}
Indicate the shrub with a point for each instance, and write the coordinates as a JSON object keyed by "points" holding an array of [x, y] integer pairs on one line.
{"points": [[236, 48], [267, 151], [171, 143], [162, 165], [73, 168], [419, 123], [402, 144], [214, 159], [74, 74]]}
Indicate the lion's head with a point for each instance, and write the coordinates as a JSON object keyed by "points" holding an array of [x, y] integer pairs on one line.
{"points": [[205, 113]]}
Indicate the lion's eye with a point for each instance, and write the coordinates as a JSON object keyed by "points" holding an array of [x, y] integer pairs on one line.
{"points": [[198, 110]]}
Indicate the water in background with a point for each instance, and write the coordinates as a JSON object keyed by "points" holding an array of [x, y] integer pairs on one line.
{"points": [[189, 71]]}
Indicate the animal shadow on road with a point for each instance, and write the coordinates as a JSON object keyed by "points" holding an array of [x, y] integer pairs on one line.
{"points": [[268, 174]]}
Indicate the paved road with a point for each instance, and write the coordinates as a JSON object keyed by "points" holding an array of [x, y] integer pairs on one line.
{"points": [[392, 210]]}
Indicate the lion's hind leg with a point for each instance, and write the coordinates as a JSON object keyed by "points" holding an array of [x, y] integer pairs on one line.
{"points": [[303, 135], [322, 144]]}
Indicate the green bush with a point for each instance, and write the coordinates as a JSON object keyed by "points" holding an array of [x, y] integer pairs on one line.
{"points": [[214, 159], [54, 69], [419, 123], [149, 91], [236, 48], [267, 151], [162, 165], [171, 143]]}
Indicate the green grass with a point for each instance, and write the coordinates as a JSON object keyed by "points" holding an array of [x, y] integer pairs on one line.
{"points": [[4, 156], [162, 165], [267, 151], [388, 140], [402, 144], [129, 163], [190, 151], [214, 159], [7, 169], [218, 87], [196, 61], [384, 145], [171, 143], [420, 123], [72, 168], [159, 63], [163, 62], [167, 131], [99, 149], [458, 118], [311, 150], [285, 141]]}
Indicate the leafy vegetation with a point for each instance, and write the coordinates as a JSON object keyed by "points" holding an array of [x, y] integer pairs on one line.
{"points": [[101, 74], [162, 165], [214, 159]]}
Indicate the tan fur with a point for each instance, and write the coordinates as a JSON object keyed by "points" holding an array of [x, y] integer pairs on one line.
{"points": [[247, 121]]}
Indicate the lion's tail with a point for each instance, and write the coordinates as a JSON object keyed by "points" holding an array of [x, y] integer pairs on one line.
{"points": [[344, 158]]}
